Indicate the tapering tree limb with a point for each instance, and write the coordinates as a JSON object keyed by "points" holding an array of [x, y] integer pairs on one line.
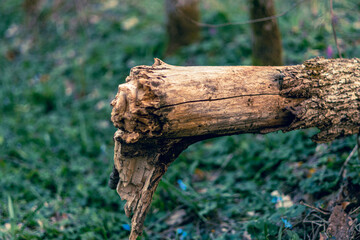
{"points": [[332, 92], [162, 109]]}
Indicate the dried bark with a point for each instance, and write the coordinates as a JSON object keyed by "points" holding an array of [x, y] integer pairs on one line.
{"points": [[266, 37], [332, 91], [140, 167], [341, 222], [162, 109]]}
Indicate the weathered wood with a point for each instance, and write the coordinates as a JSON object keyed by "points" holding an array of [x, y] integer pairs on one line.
{"points": [[165, 101], [162, 109]]}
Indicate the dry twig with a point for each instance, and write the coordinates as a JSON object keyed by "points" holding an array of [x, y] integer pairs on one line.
{"points": [[315, 208], [342, 172], [333, 28]]}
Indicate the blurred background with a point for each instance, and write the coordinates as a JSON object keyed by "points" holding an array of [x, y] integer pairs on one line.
{"points": [[60, 65]]}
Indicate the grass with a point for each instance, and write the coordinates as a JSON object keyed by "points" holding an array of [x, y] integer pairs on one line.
{"points": [[59, 72]]}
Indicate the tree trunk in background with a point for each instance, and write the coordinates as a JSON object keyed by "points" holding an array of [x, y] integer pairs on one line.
{"points": [[31, 9], [266, 46], [181, 30], [162, 109]]}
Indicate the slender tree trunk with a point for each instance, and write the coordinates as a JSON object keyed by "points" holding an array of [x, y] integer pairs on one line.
{"points": [[162, 109], [181, 30], [32, 14], [266, 38]]}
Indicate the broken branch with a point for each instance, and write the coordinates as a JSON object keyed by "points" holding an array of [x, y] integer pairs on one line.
{"points": [[162, 109]]}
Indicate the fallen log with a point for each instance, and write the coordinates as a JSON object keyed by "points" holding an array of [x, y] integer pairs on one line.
{"points": [[162, 109]]}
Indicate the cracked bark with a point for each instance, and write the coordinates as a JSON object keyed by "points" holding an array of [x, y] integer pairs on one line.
{"points": [[332, 91], [162, 109]]}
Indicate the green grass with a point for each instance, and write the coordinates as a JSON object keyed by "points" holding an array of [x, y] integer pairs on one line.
{"points": [[57, 79]]}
